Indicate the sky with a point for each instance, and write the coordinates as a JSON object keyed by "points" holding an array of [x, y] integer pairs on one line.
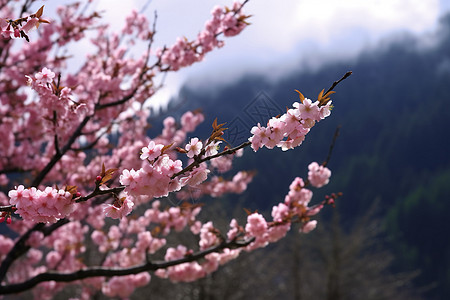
{"points": [[282, 34]]}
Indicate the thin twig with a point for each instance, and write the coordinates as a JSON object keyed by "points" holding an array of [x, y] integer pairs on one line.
{"points": [[337, 82], [58, 156], [333, 142]]}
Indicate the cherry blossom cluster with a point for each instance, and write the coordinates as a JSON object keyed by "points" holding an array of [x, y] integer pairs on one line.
{"points": [[226, 21], [318, 175], [294, 209], [160, 174], [20, 27], [152, 180], [75, 20], [56, 101], [218, 186], [289, 130], [124, 286], [38, 206]]}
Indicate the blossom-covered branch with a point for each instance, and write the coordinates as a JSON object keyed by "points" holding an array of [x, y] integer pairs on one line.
{"points": [[79, 175], [109, 272]]}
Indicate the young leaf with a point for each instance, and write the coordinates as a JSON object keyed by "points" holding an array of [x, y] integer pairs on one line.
{"points": [[108, 175], [166, 147], [320, 95], [40, 11], [328, 94], [248, 212], [300, 95], [71, 189]]}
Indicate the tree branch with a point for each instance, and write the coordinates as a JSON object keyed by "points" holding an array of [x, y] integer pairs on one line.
{"points": [[98, 191], [18, 250], [108, 272], [337, 82], [58, 156], [199, 161], [333, 142]]}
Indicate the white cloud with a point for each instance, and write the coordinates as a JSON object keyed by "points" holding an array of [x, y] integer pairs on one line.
{"points": [[283, 33]]}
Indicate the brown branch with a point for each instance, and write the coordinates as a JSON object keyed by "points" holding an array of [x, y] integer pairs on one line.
{"points": [[337, 82], [198, 161], [20, 247], [18, 250], [108, 272], [145, 69], [58, 156], [98, 191], [8, 208], [333, 142]]}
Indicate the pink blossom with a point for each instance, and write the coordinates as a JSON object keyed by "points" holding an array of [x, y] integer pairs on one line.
{"points": [[325, 110], [53, 258], [124, 286], [35, 239], [152, 151], [194, 147], [31, 24], [309, 110], [6, 245], [309, 226], [318, 176], [169, 166], [260, 137], [256, 225], [277, 232], [211, 148], [100, 239], [128, 177], [119, 209], [196, 177], [45, 76], [190, 121], [277, 128], [195, 228], [208, 236], [291, 118], [46, 206], [280, 212], [18, 194], [234, 230]]}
